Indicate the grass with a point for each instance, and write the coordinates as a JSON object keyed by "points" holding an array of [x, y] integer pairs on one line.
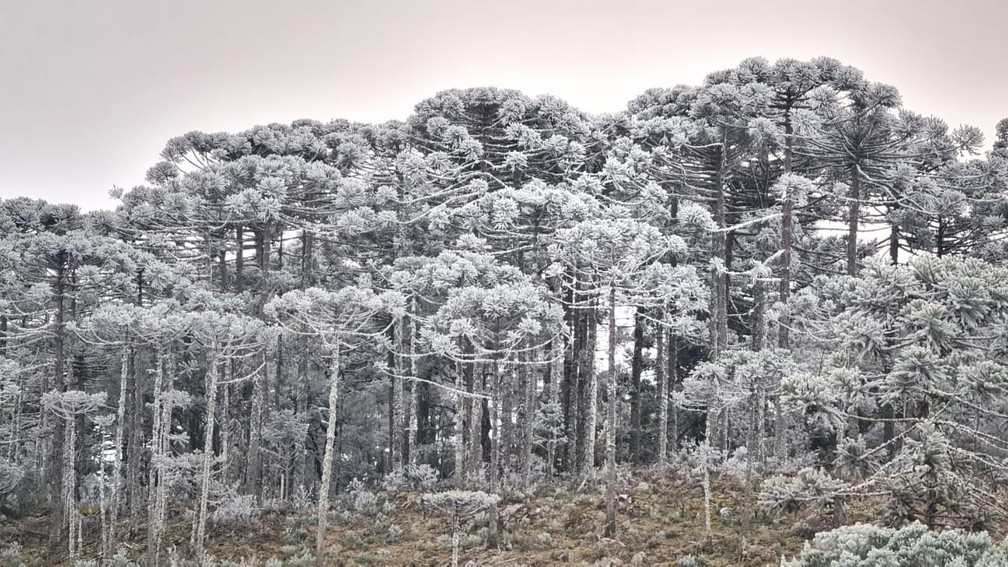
{"points": [[660, 520]]}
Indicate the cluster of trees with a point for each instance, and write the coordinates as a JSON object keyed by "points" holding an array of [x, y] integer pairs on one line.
{"points": [[507, 289]]}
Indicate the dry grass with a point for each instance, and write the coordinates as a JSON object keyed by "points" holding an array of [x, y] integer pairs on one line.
{"points": [[660, 520]]}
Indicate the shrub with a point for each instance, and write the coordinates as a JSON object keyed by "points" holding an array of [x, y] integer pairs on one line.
{"points": [[809, 488], [865, 545], [11, 557], [416, 478], [236, 510]]}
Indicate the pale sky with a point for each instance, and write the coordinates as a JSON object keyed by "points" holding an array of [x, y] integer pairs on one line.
{"points": [[90, 91]]}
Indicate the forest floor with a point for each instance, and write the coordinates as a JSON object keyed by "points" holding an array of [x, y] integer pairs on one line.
{"points": [[660, 521]]}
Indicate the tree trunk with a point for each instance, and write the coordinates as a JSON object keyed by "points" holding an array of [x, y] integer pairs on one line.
{"points": [[672, 377], [397, 400], [493, 528], [636, 368], [327, 459], [239, 276], [134, 422], [719, 276], [589, 399], [206, 474], [853, 217], [460, 430], [610, 523], [154, 478], [569, 387], [260, 383], [661, 395], [413, 426], [759, 315], [787, 222], [55, 480]]}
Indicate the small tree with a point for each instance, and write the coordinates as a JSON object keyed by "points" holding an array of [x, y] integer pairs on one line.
{"points": [[459, 504]]}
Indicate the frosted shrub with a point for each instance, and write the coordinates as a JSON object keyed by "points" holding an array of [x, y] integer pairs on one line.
{"points": [[394, 533], [237, 510], [119, 560], [302, 499], [810, 488], [416, 478], [364, 502], [689, 561], [737, 465], [11, 556], [865, 545]]}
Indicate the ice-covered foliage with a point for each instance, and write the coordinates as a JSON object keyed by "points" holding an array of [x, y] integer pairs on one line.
{"points": [[416, 478], [866, 545], [236, 510], [810, 489]]}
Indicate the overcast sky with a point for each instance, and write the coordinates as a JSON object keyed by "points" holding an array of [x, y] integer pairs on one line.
{"points": [[91, 90]]}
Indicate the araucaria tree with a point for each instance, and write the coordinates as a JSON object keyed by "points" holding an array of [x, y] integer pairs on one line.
{"points": [[280, 312]]}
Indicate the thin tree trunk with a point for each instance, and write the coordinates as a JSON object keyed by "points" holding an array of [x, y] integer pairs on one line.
{"points": [[493, 528], [413, 425], [529, 412], [759, 315], [119, 433], [719, 276], [154, 476], [590, 400], [460, 431], [260, 383], [55, 480], [661, 395], [206, 473], [396, 407], [610, 524], [853, 217], [636, 368], [787, 223], [327, 459]]}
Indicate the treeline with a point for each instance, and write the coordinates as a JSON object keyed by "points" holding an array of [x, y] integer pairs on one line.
{"points": [[781, 264]]}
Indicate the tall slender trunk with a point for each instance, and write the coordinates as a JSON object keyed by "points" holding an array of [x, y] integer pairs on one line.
{"points": [[787, 223], [610, 523], [759, 315], [119, 439], [199, 534], [894, 245], [493, 528], [569, 387], [853, 217], [460, 430], [55, 480], [661, 395], [134, 423], [239, 275], [327, 459], [719, 277], [154, 472], [636, 368], [589, 382], [413, 426], [529, 414], [672, 377], [396, 402], [260, 383]]}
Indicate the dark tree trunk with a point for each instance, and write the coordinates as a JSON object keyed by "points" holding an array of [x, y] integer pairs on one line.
{"points": [[853, 217], [636, 368], [787, 222]]}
